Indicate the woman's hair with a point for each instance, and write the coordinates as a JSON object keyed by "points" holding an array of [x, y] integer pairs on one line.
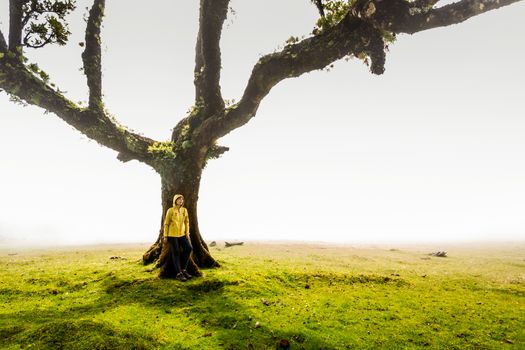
{"points": [[176, 197]]}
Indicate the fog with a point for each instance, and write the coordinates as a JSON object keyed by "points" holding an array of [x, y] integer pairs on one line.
{"points": [[430, 151]]}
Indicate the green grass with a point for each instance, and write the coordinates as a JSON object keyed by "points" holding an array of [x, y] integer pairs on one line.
{"points": [[314, 296]]}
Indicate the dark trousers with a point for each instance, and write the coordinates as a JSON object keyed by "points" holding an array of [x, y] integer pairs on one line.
{"points": [[180, 252]]}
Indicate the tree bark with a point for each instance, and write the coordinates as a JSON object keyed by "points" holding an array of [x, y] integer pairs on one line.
{"points": [[186, 181], [15, 25]]}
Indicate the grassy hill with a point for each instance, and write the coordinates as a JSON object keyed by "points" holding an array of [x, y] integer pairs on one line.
{"points": [[265, 296]]}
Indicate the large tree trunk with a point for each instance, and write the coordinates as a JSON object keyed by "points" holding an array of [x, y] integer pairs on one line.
{"points": [[186, 181]]}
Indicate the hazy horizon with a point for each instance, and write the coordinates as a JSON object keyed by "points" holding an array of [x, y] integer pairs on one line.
{"points": [[436, 245]]}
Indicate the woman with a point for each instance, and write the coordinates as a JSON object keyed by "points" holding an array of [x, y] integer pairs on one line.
{"points": [[177, 234]]}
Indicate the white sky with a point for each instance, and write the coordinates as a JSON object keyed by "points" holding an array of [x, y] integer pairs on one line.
{"points": [[432, 150]]}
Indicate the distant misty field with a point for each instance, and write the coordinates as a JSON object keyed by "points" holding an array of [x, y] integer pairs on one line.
{"points": [[267, 296]]}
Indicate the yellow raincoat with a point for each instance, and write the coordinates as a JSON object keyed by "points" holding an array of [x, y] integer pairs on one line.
{"points": [[176, 223]]}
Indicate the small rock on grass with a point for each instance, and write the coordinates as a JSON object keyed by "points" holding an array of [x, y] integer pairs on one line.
{"points": [[257, 324]]}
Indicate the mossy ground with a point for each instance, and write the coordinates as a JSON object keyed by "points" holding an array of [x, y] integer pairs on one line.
{"points": [[313, 296]]}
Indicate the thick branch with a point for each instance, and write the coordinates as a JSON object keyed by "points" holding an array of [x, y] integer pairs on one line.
{"points": [[447, 15], [91, 56], [15, 24], [359, 32], [310, 54], [208, 54], [93, 122], [18, 81], [208, 97]]}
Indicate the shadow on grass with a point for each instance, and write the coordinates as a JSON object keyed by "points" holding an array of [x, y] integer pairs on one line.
{"points": [[86, 334], [208, 303], [222, 318]]}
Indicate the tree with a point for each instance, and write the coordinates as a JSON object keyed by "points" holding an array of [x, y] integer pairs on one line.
{"points": [[362, 29]]}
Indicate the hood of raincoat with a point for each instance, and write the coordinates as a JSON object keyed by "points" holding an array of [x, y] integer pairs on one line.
{"points": [[177, 196]]}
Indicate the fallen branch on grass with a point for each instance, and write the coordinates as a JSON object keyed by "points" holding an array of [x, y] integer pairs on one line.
{"points": [[228, 244]]}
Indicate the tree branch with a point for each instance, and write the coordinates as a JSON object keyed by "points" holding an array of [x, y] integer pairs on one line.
{"points": [[309, 54], [44, 22], [447, 15], [207, 72], [320, 7], [15, 24], [91, 57], [208, 54], [18, 81], [42, 44], [360, 32]]}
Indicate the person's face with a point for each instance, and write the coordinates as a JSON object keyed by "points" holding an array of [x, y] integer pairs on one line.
{"points": [[179, 201]]}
